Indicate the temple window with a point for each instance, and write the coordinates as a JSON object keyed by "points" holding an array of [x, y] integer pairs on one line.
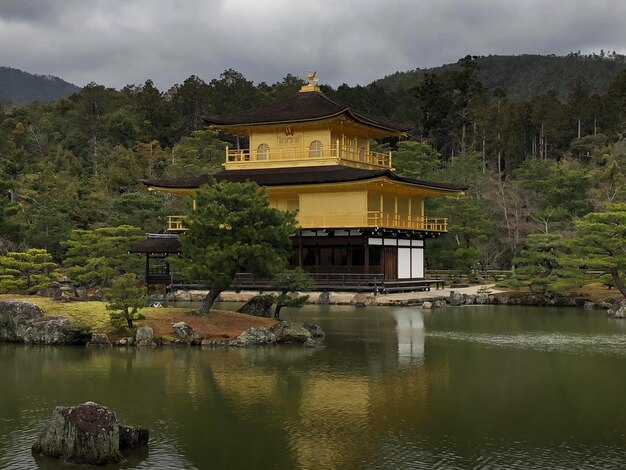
{"points": [[262, 152], [315, 149]]}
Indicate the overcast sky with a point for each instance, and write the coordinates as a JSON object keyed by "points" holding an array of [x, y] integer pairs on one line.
{"points": [[119, 42]]}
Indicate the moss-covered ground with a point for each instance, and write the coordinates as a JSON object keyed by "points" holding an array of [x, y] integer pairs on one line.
{"points": [[218, 324]]}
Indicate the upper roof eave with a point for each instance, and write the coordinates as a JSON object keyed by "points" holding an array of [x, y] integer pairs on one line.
{"points": [[303, 107]]}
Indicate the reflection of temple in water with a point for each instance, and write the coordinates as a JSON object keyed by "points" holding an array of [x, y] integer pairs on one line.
{"points": [[411, 335]]}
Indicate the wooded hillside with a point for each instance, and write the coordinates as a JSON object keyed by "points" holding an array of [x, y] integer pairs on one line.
{"points": [[521, 77]]}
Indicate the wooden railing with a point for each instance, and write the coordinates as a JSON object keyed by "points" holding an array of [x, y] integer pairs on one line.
{"points": [[338, 152], [373, 219], [175, 223], [321, 281], [455, 275]]}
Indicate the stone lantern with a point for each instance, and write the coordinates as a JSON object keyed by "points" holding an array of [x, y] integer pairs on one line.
{"points": [[66, 288]]}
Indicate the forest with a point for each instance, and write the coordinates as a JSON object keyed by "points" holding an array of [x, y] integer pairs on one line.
{"points": [[71, 171]]}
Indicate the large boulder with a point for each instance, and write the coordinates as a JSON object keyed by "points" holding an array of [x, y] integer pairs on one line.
{"points": [[15, 317], [258, 306], [254, 337], [618, 310], [456, 298], [52, 291], [290, 332], [88, 434], [83, 434], [185, 332], [144, 336], [48, 330]]}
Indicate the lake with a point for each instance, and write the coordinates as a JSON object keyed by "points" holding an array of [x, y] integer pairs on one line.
{"points": [[402, 388]]}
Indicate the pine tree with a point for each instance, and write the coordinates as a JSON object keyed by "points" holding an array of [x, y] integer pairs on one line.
{"points": [[126, 297], [25, 272], [233, 230]]}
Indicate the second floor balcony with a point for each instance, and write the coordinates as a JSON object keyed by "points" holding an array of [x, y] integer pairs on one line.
{"points": [[370, 219], [266, 157]]}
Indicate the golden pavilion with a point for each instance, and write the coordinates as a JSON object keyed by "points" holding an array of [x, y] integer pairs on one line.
{"points": [[361, 226]]}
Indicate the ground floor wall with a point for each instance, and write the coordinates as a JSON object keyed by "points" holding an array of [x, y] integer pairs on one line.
{"points": [[393, 255], [337, 260]]}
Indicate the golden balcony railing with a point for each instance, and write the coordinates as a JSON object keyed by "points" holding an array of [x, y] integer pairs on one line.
{"points": [[373, 219], [309, 155], [175, 223], [349, 220]]}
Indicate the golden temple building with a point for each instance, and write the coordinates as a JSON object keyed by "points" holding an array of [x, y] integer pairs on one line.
{"points": [[362, 227]]}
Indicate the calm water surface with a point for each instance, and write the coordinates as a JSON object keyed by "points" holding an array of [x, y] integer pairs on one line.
{"points": [[466, 387]]}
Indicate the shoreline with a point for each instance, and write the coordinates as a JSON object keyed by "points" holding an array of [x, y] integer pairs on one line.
{"points": [[473, 295]]}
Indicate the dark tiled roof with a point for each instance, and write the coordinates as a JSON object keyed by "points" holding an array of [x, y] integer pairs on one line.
{"points": [[299, 175], [187, 182], [157, 245], [302, 107]]}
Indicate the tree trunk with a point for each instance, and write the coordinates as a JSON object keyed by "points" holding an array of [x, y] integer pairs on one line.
{"points": [[619, 283], [279, 306], [208, 301]]}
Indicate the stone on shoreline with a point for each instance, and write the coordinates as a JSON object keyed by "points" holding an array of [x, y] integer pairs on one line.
{"points": [[48, 330], [258, 306], [186, 333], [144, 336], [15, 317], [290, 332], [99, 340], [456, 298], [254, 337], [618, 310]]}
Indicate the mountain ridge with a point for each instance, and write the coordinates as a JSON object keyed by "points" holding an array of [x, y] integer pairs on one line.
{"points": [[18, 87]]}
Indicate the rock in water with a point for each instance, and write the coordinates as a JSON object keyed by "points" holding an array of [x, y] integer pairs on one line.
{"points": [[316, 331], [86, 434], [133, 438], [15, 317]]}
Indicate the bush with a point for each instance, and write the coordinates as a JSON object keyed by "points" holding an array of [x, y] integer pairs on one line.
{"points": [[79, 333]]}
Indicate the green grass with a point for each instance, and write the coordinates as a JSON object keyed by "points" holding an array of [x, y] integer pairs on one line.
{"points": [[93, 314]]}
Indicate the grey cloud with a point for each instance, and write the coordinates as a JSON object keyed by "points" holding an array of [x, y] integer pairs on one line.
{"points": [[117, 42], [29, 11]]}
